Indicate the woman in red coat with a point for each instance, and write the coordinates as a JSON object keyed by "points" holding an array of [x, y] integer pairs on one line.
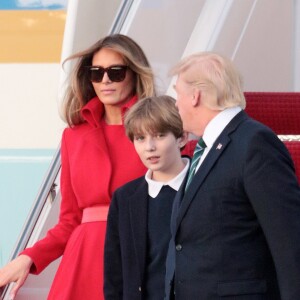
{"points": [[97, 158]]}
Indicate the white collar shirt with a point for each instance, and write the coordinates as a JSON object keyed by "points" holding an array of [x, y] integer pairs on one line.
{"points": [[154, 187], [215, 127]]}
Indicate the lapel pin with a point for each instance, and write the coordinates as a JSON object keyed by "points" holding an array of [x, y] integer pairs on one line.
{"points": [[219, 146]]}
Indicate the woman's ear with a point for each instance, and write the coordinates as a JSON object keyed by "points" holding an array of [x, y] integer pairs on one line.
{"points": [[183, 139]]}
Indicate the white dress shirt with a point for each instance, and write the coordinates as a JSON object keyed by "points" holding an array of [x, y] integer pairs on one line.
{"points": [[215, 127], [154, 187]]}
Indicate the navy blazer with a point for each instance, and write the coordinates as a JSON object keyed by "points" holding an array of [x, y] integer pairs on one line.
{"points": [[236, 230], [124, 272]]}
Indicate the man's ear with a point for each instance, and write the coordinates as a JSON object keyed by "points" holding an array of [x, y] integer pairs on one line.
{"points": [[196, 97], [183, 139]]}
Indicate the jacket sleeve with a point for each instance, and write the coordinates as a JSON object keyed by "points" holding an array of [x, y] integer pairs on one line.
{"points": [[113, 275], [53, 244], [273, 190]]}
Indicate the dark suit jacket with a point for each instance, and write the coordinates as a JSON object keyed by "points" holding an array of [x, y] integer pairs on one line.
{"points": [[124, 272], [236, 230]]}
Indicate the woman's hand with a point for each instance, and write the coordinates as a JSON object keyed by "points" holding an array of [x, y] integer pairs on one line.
{"points": [[15, 271]]}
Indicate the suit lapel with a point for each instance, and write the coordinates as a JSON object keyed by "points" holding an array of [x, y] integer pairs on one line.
{"points": [[212, 157], [176, 205], [138, 208]]}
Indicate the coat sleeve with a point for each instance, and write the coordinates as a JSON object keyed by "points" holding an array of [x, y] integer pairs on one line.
{"points": [[273, 190], [113, 275], [53, 244]]}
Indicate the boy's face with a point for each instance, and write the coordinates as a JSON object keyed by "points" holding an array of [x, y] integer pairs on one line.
{"points": [[160, 152]]}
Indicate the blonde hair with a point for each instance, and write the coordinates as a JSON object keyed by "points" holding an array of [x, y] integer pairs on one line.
{"points": [[153, 115], [212, 72], [80, 90]]}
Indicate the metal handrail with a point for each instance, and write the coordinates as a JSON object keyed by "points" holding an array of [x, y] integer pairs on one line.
{"points": [[121, 16], [48, 188]]}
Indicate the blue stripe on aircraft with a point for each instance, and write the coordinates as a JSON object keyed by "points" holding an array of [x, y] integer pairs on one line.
{"points": [[31, 5]]}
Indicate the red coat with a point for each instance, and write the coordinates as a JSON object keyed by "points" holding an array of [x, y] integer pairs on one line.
{"points": [[87, 179], [96, 159]]}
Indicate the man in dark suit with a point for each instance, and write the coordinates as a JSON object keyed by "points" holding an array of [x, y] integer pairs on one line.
{"points": [[236, 225]]}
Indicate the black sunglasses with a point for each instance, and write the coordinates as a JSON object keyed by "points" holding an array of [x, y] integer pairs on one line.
{"points": [[114, 73]]}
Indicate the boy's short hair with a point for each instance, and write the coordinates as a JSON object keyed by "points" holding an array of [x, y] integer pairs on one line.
{"points": [[156, 114]]}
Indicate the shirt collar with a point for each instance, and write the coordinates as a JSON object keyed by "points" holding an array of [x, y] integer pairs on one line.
{"points": [[154, 187], [218, 123]]}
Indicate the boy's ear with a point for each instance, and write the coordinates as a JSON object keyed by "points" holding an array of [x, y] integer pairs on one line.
{"points": [[184, 139]]}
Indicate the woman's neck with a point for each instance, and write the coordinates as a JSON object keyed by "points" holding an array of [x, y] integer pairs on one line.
{"points": [[113, 115]]}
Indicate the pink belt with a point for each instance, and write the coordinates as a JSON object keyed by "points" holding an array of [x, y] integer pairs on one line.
{"points": [[95, 213]]}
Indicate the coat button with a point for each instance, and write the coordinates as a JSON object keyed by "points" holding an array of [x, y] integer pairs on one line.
{"points": [[178, 247], [140, 288]]}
